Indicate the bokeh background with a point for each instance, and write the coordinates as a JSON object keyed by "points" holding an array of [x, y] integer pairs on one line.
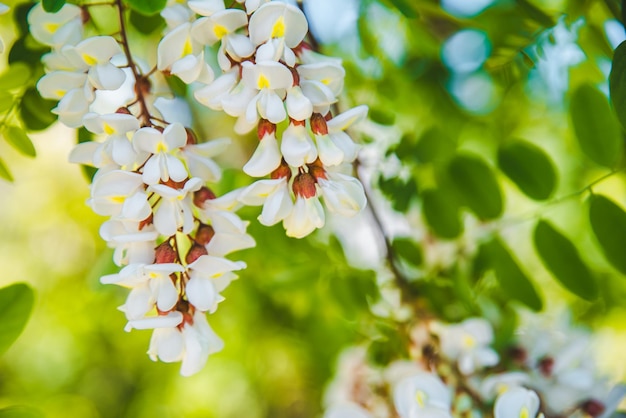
{"points": [[475, 73]]}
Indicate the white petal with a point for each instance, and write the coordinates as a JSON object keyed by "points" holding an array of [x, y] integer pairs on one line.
{"points": [[266, 158]]}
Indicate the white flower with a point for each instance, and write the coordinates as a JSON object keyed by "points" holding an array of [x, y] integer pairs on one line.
{"points": [[192, 345], [307, 215], [174, 210], [336, 130], [222, 26], [497, 384], [110, 194], [422, 395], [279, 27], [342, 194], [219, 90], [132, 243], [296, 145], [176, 14], [515, 403], [117, 147], [170, 320], [181, 55], [230, 233], [56, 29], [199, 162], [299, 107], [72, 107], [209, 275], [96, 53], [321, 83], [273, 195], [206, 7], [467, 343], [266, 157], [270, 79], [162, 165]]}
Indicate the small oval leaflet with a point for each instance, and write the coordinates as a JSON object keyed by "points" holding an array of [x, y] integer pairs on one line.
{"points": [[563, 260], [513, 281], [608, 222], [476, 185], [441, 212], [16, 304], [596, 127], [19, 140], [529, 168], [52, 6]]}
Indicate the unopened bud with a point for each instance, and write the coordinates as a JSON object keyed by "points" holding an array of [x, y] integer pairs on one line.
{"points": [[205, 234], [328, 116], [283, 171], [304, 185], [297, 122], [202, 196], [165, 253], [191, 137], [196, 251], [546, 364], [317, 171], [592, 407], [265, 128], [123, 111], [318, 124], [518, 354]]}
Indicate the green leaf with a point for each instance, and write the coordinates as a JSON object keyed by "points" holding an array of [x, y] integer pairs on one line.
{"points": [[52, 6], [19, 140], [408, 250], [476, 185], [6, 101], [20, 412], [400, 193], [617, 82], [36, 111], [27, 51], [608, 222], [16, 76], [147, 7], [563, 260], [381, 116], [406, 7], [4, 172], [441, 212], [434, 146], [513, 281], [146, 24], [598, 133], [16, 304], [529, 168]]}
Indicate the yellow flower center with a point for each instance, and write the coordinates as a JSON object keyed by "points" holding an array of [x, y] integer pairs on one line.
{"points": [[161, 147], [89, 59], [108, 129], [523, 413], [220, 31], [469, 341], [278, 30], [263, 82], [51, 27], [420, 398], [187, 48]]}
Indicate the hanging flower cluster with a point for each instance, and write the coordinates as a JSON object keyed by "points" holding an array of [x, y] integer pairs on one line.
{"points": [[169, 232], [549, 373], [273, 82]]}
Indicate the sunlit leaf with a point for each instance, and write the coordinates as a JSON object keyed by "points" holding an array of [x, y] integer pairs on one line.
{"points": [[381, 116], [441, 212], [608, 222], [4, 171], [529, 168], [16, 304], [513, 280], [6, 101], [19, 140], [408, 250], [406, 7], [476, 185], [563, 260], [52, 6], [598, 132], [16, 76], [147, 7]]}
